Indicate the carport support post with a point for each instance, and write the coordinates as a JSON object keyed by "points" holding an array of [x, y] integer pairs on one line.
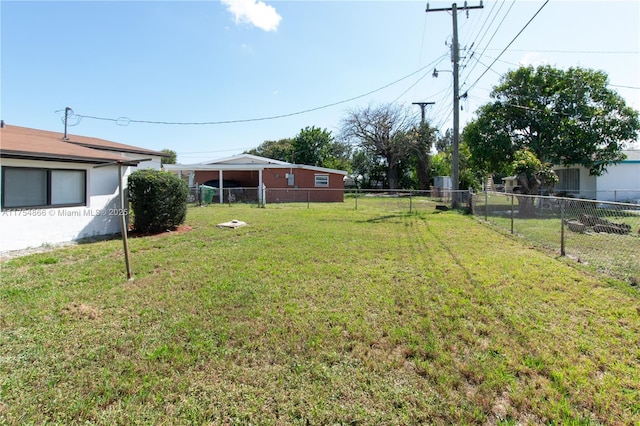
{"points": [[221, 186]]}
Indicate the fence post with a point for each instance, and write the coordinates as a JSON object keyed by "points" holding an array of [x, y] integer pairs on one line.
{"points": [[486, 204], [410, 202], [512, 197], [308, 197], [562, 213], [356, 198]]}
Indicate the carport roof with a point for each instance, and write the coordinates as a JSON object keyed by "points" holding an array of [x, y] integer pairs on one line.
{"points": [[246, 162]]}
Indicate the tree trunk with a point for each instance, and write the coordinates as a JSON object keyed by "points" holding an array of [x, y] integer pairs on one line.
{"points": [[423, 172], [526, 207], [528, 186], [393, 177]]}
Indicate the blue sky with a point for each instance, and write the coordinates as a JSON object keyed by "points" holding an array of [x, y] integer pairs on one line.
{"points": [[236, 60]]}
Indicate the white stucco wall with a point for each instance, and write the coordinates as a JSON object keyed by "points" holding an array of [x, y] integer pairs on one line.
{"points": [[587, 183], [154, 162], [621, 182], [33, 228]]}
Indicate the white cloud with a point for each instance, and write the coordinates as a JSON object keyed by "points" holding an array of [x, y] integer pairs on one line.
{"points": [[254, 12]]}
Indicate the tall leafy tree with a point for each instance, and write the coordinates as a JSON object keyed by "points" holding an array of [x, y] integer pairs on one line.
{"points": [[281, 150], [532, 174], [445, 142], [366, 166], [424, 138], [563, 117], [172, 156], [384, 130], [312, 146]]}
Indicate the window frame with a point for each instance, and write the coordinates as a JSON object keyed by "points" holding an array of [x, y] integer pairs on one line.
{"points": [[568, 179], [323, 176], [48, 186]]}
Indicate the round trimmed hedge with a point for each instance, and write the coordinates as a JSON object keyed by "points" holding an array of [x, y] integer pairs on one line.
{"points": [[158, 200]]}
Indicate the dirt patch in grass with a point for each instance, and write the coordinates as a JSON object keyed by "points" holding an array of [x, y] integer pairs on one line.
{"points": [[179, 230], [81, 311]]}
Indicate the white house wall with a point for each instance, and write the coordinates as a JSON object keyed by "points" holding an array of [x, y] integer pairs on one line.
{"points": [[36, 227], [588, 184], [154, 162], [620, 183]]}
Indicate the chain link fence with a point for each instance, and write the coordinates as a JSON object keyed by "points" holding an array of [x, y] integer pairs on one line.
{"points": [[389, 200], [603, 235]]}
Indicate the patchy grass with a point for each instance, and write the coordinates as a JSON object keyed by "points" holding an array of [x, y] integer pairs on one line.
{"points": [[326, 315]]}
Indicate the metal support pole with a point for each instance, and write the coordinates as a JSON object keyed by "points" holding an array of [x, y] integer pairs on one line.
{"points": [[486, 204], [410, 202], [512, 200], [124, 229], [562, 213]]}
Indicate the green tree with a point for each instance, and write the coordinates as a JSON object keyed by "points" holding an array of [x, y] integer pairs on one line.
{"points": [[367, 164], [172, 157], [281, 150], [312, 146], [563, 117], [424, 138], [384, 130], [532, 174], [441, 164], [445, 142]]}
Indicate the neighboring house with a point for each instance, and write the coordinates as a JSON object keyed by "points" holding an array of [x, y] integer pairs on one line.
{"points": [[280, 181], [56, 190], [621, 182]]}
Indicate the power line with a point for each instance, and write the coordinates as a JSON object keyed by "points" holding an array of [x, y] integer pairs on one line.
{"points": [[490, 40], [613, 52], [125, 121], [508, 45]]}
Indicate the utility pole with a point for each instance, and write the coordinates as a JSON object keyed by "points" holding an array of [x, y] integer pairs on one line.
{"points": [[67, 110], [422, 105], [455, 59], [423, 157]]}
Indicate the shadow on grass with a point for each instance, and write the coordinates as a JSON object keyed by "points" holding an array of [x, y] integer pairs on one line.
{"points": [[387, 218]]}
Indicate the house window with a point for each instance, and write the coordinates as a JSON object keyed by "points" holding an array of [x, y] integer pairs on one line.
{"points": [[322, 180], [24, 187], [568, 179]]}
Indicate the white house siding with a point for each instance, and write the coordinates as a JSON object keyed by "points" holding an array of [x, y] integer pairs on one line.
{"points": [[587, 184], [621, 182], [33, 228]]}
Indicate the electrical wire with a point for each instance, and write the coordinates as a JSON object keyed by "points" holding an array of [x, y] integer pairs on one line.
{"points": [[484, 23], [613, 52], [125, 121], [490, 40], [508, 45]]}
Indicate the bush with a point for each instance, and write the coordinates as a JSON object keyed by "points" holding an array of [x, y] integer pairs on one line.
{"points": [[158, 200]]}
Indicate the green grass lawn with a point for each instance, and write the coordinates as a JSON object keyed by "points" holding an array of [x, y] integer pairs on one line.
{"points": [[613, 254], [327, 315]]}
